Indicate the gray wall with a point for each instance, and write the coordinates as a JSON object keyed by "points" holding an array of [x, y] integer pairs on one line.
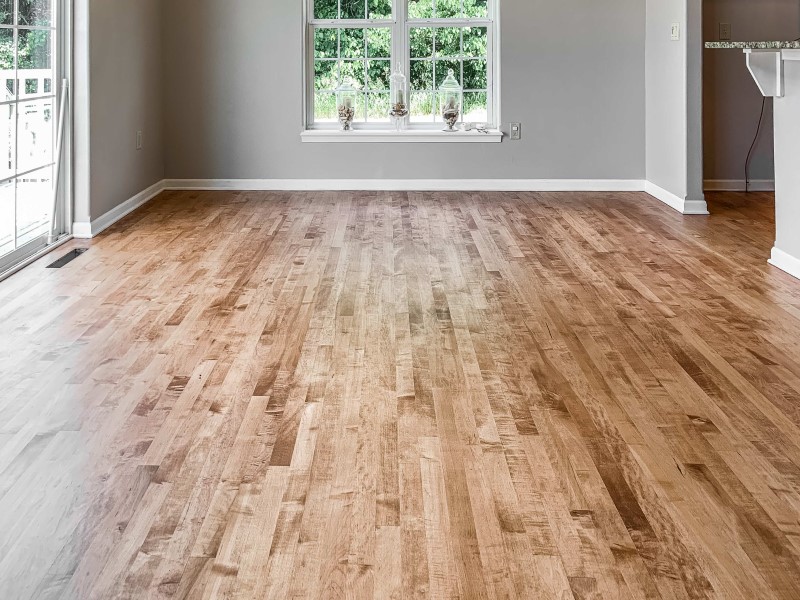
{"points": [[121, 57], [673, 97], [731, 100], [666, 97], [572, 73]]}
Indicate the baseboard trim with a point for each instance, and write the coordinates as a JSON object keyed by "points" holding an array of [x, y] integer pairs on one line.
{"points": [[738, 185], [683, 206], [85, 230], [412, 185], [785, 262]]}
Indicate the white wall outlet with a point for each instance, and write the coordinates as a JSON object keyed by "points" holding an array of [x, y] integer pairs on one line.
{"points": [[724, 32], [516, 131], [139, 140], [675, 34]]}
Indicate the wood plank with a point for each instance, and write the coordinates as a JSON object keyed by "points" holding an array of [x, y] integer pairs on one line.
{"points": [[399, 395]]}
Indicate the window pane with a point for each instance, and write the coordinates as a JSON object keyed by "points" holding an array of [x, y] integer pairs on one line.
{"points": [[35, 49], [379, 72], [326, 43], [8, 125], [352, 43], [325, 107], [379, 43], [6, 217], [421, 41], [360, 109], [442, 66], [34, 197], [326, 9], [420, 9], [448, 9], [380, 9], [475, 41], [476, 8], [475, 109], [421, 74], [34, 134], [448, 41], [6, 12], [36, 12], [7, 52], [354, 71], [422, 107], [475, 74], [326, 76], [353, 9], [378, 107]]}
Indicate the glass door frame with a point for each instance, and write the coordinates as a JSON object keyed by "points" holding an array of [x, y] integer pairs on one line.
{"points": [[62, 69]]}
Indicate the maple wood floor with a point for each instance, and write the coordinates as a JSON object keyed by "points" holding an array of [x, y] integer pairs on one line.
{"points": [[405, 395]]}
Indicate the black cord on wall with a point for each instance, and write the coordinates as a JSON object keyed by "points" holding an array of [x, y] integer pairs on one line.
{"points": [[752, 146]]}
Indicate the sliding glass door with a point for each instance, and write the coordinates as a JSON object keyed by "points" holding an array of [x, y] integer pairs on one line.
{"points": [[30, 72]]}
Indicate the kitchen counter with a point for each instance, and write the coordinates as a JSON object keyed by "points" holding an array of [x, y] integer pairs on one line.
{"points": [[775, 67]]}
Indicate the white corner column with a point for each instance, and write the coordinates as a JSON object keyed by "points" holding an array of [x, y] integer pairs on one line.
{"points": [[782, 81]]}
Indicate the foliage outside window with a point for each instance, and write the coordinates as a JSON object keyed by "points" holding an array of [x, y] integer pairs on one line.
{"points": [[362, 40]]}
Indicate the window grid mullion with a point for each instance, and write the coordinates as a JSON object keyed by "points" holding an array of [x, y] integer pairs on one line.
{"points": [[461, 64], [366, 74]]}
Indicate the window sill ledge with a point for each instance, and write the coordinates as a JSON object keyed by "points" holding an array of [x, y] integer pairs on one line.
{"points": [[407, 136]]}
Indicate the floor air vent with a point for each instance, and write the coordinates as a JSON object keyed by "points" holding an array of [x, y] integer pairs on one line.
{"points": [[67, 258]]}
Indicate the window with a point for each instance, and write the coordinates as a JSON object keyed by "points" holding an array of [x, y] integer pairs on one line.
{"points": [[360, 41], [30, 66]]}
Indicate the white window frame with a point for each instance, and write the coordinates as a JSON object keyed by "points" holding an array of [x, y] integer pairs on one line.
{"points": [[401, 27], [61, 30]]}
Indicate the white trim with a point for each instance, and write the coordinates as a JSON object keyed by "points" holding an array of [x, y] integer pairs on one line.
{"points": [[406, 136], [682, 205], [413, 185], [738, 185], [785, 262], [87, 230], [34, 257]]}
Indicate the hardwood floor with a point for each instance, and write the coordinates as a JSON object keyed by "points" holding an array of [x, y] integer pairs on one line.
{"points": [[405, 395]]}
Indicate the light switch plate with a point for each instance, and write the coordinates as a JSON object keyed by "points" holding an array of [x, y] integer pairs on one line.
{"points": [[676, 32], [724, 32], [516, 131]]}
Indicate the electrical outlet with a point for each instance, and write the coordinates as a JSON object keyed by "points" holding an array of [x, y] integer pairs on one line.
{"points": [[724, 31], [139, 140], [516, 131], [675, 35]]}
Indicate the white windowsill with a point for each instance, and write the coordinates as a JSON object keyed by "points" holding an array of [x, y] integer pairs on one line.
{"points": [[408, 136]]}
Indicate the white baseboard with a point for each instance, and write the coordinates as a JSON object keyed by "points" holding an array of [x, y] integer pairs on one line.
{"points": [[412, 185], [686, 207], [738, 185], [87, 230], [785, 262]]}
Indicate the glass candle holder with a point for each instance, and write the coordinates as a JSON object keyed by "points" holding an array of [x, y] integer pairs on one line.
{"points": [[398, 98], [450, 95], [346, 105]]}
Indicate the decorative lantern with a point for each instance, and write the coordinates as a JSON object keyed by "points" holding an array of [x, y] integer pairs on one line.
{"points": [[346, 105], [450, 95], [398, 98]]}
